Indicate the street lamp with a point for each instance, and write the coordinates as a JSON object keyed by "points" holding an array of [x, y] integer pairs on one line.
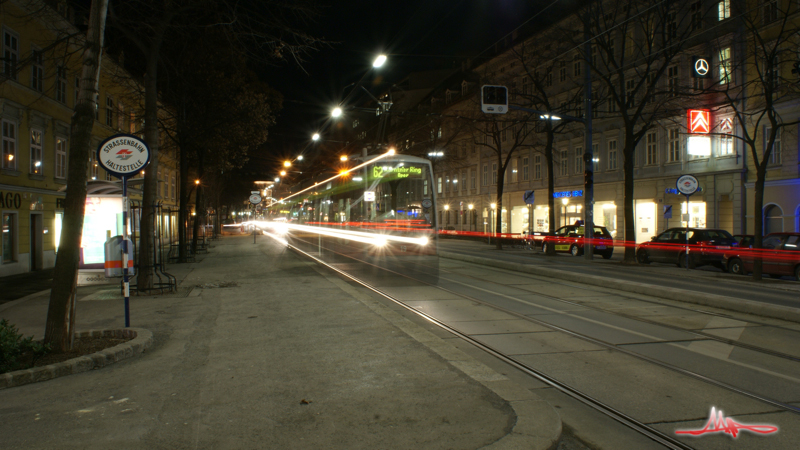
{"points": [[379, 61], [287, 164], [315, 137], [343, 158], [299, 157], [447, 215], [336, 112], [491, 221], [470, 206]]}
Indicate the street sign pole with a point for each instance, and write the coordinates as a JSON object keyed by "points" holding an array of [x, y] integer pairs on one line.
{"points": [[687, 185], [125, 284], [124, 155]]}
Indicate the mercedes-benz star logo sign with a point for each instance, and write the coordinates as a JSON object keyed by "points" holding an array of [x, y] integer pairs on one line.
{"points": [[701, 67]]}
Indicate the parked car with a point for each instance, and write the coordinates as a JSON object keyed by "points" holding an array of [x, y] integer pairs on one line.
{"points": [[780, 255], [744, 240], [706, 246], [570, 239]]}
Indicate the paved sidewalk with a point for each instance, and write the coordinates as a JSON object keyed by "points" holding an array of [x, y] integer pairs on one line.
{"points": [[262, 349]]}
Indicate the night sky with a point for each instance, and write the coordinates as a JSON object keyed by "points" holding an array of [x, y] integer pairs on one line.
{"points": [[415, 34]]}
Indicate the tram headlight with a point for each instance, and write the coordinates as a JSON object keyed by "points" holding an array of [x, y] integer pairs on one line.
{"points": [[423, 241], [380, 242]]}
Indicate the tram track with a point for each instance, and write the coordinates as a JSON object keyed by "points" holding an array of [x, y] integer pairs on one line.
{"points": [[586, 399], [593, 402]]}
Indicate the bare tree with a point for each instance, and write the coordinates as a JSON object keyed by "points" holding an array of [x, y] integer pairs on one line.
{"points": [[634, 43], [759, 87]]}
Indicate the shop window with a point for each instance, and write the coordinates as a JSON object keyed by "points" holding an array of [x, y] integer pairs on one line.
{"points": [[773, 219], [9, 237], [697, 214]]}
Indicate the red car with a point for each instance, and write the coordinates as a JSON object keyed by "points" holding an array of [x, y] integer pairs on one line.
{"points": [[780, 256]]}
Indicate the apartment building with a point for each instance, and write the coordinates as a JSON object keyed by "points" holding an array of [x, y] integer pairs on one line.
{"points": [[38, 91], [546, 71]]}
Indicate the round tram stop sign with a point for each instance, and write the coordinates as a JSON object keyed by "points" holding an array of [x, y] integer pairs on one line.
{"points": [[123, 155]]}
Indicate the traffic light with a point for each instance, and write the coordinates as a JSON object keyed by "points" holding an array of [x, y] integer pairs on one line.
{"points": [[494, 99]]}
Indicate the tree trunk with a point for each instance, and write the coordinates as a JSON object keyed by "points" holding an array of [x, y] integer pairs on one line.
{"points": [[630, 225], [60, 312], [145, 277], [498, 212], [758, 220]]}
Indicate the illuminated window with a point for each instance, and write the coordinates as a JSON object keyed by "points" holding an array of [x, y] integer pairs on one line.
{"points": [[724, 9], [9, 145], [724, 57], [36, 152], [61, 158]]}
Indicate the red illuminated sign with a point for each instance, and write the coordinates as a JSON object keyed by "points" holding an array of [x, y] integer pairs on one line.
{"points": [[699, 121]]}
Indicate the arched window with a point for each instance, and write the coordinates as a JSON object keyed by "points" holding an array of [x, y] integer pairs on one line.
{"points": [[773, 219]]}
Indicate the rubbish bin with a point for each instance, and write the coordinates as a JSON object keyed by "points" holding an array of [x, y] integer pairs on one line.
{"points": [[113, 257]]}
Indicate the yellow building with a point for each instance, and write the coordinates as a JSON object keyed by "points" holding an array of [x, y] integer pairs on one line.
{"points": [[38, 91]]}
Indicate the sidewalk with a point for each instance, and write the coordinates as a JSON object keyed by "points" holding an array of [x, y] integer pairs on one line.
{"points": [[262, 349]]}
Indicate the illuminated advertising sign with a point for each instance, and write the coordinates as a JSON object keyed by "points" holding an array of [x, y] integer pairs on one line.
{"points": [[699, 121], [563, 194], [698, 145]]}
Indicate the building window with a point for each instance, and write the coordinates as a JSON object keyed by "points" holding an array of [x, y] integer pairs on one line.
{"points": [[672, 25], [548, 79], [92, 166], [726, 138], [724, 10], [525, 171], [514, 170], [61, 84], [576, 67], [485, 175], [564, 164], [652, 148], [578, 159], [463, 186], [673, 81], [494, 173], [472, 175], [537, 167], [109, 111], [696, 12], [770, 11], [724, 57], [612, 154], [36, 152], [447, 183], [463, 149], [355, 124], [562, 71], [630, 95], [439, 185], [9, 237], [10, 54], [775, 155], [61, 158], [674, 154], [9, 145], [172, 188], [37, 71]]}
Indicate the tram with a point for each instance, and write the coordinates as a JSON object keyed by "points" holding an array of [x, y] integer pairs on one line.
{"points": [[385, 204]]}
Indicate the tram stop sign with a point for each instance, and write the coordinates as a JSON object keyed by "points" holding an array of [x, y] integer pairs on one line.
{"points": [[255, 199], [123, 155], [687, 184]]}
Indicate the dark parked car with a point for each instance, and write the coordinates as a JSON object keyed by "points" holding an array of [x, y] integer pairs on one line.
{"points": [[569, 239], [780, 255], [706, 246]]}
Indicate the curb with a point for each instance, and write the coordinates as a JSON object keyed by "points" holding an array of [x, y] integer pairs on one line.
{"points": [[538, 425], [681, 295], [142, 340]]}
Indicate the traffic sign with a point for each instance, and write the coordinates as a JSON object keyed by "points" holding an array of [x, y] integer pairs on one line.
{"points": [[494, 99], [255, 199], [527, 197], [687, 184]]}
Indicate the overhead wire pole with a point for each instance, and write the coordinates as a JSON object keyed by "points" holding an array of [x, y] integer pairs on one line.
{"points": [[588, 155]]}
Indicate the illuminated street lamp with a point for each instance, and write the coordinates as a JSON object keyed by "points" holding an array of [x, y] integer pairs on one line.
{"points": [[315, 137], [287, 164], [336, 112], [379, 61], [283, 173], [343, 158], [299, 157]]}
